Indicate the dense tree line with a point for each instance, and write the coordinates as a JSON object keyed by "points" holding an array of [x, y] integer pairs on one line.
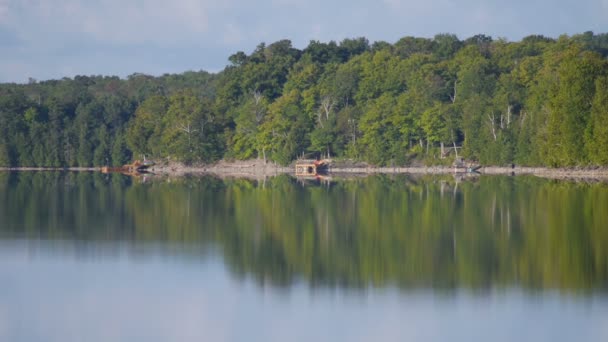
{"points": [[539, 101]]}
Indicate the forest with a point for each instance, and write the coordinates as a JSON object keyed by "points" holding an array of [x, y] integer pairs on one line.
{"points": [[539, 102]]}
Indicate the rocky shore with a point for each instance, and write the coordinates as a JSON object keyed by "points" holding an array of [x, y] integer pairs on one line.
{"points": [[257, 168]]}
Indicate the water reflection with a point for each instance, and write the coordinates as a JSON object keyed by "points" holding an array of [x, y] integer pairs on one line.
{"points": [[150, 299], [374, 232]]}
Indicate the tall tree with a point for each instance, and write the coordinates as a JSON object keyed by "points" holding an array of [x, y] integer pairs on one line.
{"points": [[570, 106], [145, 129], [597, 135]]}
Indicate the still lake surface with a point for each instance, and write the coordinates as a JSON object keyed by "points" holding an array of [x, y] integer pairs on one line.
{"points": [[91, 257]]}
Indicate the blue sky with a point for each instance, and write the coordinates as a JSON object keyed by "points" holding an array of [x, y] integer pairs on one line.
{"points": [[47, 39]]}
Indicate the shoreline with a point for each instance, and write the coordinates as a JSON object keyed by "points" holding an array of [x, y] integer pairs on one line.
{"points": [[487, 170], [259, 169]]}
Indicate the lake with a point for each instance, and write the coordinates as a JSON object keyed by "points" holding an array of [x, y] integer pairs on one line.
{"points": [[92, 257]]}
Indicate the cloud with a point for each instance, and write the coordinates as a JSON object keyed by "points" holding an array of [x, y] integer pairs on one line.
{"points": [[112, 21], [49, 37]]}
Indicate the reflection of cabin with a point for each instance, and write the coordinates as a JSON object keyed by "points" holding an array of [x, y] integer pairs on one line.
{"points": [[311, 167]]}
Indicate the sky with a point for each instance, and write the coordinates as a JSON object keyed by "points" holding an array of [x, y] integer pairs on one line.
{"points": [[50, 39]]}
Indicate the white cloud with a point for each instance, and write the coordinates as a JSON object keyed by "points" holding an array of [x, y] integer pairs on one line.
{"points": [[50, 37], [114, 21]]}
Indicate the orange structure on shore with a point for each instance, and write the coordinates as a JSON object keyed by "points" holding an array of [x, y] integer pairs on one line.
{"points": [[137, 167], [307, 168]]}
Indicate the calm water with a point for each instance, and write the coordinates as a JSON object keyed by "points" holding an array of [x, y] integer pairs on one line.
{"points": [[90, 257]]}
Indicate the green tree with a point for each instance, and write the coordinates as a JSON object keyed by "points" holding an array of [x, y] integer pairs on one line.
{"points": [[380, 137], [5, 157], [285, 129], [434, 125], [120, 152], [597, 136], [570, 103], [102, 155], [145, 128], [251, 115]]}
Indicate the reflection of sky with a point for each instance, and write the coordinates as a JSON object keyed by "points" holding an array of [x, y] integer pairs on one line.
{"points": [[51, 296]]}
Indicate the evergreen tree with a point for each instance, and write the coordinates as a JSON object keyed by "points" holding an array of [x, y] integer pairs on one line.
{"points": [[597, 136], [120, 153], [5, 157]]}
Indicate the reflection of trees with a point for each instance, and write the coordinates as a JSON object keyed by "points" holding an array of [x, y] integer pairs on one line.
{"points": [[376, 231]]}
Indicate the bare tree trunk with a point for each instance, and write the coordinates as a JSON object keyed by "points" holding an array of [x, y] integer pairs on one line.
{"points": [[442, 150], [523, 118], [319, 118], [189, 131], [453, 97], [492, 119], [258, 111], [257, 97], [354, 134], [327, 104]]}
